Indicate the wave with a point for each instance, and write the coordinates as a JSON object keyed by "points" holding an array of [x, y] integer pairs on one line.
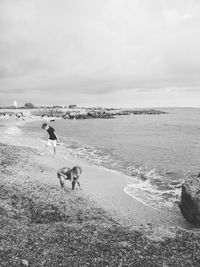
{"points": [[155, 188], [153, 196]]}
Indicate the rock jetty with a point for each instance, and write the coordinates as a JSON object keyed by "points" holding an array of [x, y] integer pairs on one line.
{"points": [[190, 200], [79, 113], [93, 113]]}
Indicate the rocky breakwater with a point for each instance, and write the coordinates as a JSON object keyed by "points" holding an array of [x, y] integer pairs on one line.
{"points": [[87, 115], [120, 112], [91, 113], [190, 200]]}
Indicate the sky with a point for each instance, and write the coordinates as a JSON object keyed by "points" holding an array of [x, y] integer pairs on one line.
{"points": [[116, 53]]}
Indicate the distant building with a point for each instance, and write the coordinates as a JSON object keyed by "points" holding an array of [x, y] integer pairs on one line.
{"points": [[72, 106]]}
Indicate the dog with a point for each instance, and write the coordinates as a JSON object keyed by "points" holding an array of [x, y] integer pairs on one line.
{"points": [[70, 174]]}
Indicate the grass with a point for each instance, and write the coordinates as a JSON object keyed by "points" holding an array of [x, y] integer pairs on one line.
{"points": [[43, 225]]}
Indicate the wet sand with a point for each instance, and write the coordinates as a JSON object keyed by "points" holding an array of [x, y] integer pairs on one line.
{"points": [[103, 186]]}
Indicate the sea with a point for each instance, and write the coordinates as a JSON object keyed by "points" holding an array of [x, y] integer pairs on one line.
{"points": [[156, 152]]}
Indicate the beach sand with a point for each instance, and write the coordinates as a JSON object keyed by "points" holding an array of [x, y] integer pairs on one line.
{"points": [[106, 188], [101, 185], [44, 225]]}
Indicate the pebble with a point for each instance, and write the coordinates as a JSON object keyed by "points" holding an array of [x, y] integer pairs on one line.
{"points": [[25, 262]]}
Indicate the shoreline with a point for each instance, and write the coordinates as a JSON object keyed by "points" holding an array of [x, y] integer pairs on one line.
{"points": [[79, 113], [103, 186], [44, 225]]}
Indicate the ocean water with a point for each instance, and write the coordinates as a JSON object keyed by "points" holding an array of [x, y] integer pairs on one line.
{"points": [[157, 152]]}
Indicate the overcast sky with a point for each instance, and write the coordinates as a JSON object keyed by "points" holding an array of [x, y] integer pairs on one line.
{"points": [[135, 53]]}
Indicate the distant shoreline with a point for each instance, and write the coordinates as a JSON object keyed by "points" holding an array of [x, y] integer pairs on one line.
{"points": [[77, 113]]}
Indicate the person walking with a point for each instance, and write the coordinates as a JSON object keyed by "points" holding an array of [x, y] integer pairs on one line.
{"points": [[53, 138]]}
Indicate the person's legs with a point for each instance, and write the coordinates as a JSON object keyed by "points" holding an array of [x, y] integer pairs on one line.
{"points": [[54, 147], [75, 180], [47, 144], [62, 183], [76, 172], [45, 148], [61, 178], [73, 184], [79, 185]]}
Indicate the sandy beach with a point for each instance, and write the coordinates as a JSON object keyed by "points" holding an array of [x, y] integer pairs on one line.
{"points": [[101, 185], [107, 91], [99, 225]]}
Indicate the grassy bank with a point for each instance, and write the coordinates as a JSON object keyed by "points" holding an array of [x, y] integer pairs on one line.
{"points": [[42, 225]]}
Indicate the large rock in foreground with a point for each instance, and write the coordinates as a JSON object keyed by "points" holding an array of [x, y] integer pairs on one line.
{"points": [[190, 200]]}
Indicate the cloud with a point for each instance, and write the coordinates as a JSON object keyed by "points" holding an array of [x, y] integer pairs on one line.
{"points": [[98, 47]]}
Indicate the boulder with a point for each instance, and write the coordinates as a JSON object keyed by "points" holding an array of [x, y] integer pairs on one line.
{"points": [[190, 200]]}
